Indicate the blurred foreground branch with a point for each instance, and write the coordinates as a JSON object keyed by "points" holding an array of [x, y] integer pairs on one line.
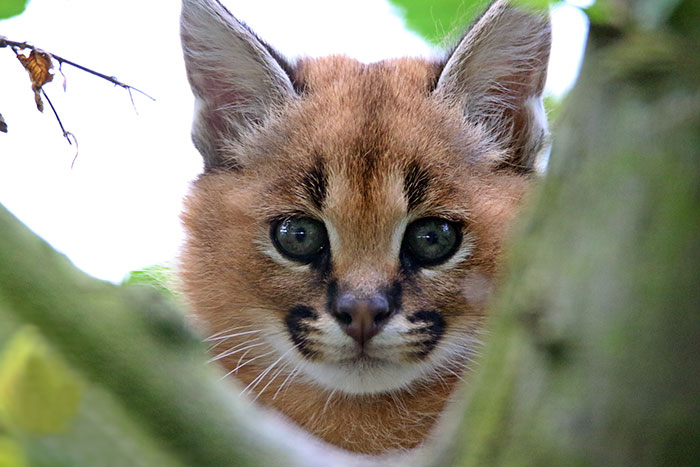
{"points": [[592, 359]]}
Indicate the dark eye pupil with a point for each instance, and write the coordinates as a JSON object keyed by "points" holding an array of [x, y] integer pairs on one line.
{"points": [[299, 238], [431, 241], [431, 238], [300, 235]]}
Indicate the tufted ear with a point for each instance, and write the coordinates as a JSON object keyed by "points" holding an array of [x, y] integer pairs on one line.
{"points": [[238, 81], [497, 74]]}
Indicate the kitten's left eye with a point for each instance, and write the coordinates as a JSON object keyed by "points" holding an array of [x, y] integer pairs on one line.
{"points": [[299, 238], [431, 240]]}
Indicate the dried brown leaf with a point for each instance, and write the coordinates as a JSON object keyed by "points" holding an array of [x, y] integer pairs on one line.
{"points": [[39, 65]]}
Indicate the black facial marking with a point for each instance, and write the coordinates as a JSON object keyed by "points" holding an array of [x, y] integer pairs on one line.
{"points": [[298, 328], [393, 295], [409, 267], [315, 182], [322, 265], [331, 295], [415, 185], [432, 331]]}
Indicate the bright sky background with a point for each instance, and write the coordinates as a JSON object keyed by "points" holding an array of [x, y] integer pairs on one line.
{"points": [[117, 209]]}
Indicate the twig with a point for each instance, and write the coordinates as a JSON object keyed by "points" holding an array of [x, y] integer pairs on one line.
{"points": [[38, 83], [66, 134], [5, 42]]}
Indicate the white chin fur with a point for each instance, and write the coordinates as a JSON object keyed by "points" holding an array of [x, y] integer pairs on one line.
{"points": [[375, 376], [364, 377]]}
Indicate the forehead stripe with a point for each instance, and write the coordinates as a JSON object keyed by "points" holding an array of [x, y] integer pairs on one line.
{"points": [[415, 185], [315, 182]]}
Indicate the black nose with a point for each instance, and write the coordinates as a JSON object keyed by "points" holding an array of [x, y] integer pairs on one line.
{"points": [[362, 318]]}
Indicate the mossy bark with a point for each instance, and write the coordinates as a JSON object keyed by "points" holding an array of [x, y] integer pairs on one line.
{"points": [[149, 393], [593, 354]]}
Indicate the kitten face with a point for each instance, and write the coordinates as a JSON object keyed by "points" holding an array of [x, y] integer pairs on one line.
{"points": [[366, 174], [349, 221]]}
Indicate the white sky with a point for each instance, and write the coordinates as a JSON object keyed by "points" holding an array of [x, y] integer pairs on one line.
{"points": [[117, 209]]}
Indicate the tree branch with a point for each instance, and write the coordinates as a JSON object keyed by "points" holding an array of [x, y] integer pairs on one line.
{"points": [[5, 42]]}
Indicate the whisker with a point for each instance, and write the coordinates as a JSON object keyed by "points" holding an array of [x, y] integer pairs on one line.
{"points": [[290, 375], [277, 373], [245, 363], [228, 330], [325, 406], [235, 350], [222, 339], [265, 372], [455, 374], [228, 336], [399, 403]]}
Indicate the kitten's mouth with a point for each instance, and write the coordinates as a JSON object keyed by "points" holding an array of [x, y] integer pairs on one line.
{"points": [[364, 360], [363, 373]]}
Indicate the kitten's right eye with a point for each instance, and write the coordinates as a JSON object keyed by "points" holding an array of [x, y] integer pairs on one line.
{"points": [[300, 238]]}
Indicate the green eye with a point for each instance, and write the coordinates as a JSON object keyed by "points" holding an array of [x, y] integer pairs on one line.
{"points": [[431, 241], [299, 238]]}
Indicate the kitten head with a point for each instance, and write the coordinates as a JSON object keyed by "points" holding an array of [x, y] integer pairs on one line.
{"points": [[349, 220]]}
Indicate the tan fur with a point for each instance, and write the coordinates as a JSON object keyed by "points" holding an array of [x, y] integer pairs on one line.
{"points": [[368, 129], [230, 283]]}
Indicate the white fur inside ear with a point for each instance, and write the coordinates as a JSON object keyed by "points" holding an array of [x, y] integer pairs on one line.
{"points": [[495, 75], [236, 81], [535, 106]]}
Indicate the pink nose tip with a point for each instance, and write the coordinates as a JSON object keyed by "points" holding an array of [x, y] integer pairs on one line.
{"points": [[362, 318]]}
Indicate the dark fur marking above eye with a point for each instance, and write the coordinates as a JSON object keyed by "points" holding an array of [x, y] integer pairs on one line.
{"points": [[432, 331], [297, 325], [415, 185], [315, 183]]}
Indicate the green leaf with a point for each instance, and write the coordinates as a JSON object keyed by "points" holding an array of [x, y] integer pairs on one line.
{"points": [[10, 8], [536, 5], [11, 453], [601, 12], [443, 21], [438, 21], [159, 276], [39, 393]]}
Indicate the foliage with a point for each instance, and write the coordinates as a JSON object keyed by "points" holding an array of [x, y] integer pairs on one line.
{"points": [[159, 276], [438, 21], [589, 359], [10, 8], [441, 22]]}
